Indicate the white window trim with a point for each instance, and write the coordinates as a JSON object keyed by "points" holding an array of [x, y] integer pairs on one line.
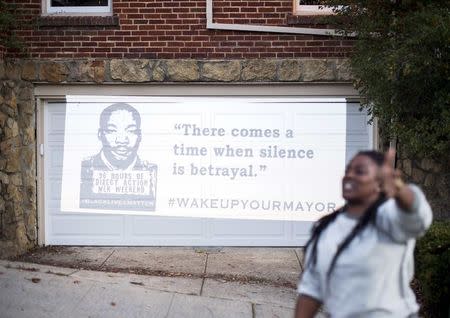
{"points": [[211, 25], [47, 9], [299, 9]]}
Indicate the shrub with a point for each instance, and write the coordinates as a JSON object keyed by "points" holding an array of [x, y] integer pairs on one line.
{"points": [[432, 258], [400, 64]]}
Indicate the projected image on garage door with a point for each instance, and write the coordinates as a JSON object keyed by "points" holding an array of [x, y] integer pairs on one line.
{"points": [[116, 177], [220, 157]]}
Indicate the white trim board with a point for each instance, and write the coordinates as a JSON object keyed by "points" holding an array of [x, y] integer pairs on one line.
{"points": [[210, 24], [200, 89]]}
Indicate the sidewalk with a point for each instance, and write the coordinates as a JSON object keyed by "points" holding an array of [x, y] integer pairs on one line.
{"points": [[151, 282]]}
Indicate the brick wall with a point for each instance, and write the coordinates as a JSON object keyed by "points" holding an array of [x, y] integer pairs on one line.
{"points": [[252, 12], [169, 30]]}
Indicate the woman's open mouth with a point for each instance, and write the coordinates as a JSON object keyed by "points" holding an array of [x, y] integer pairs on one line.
{"points": [[348, 186]]}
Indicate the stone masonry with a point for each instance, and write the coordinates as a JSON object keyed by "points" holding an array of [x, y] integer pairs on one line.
{"points": [[434, 178], [146, 71], [17, 161]]}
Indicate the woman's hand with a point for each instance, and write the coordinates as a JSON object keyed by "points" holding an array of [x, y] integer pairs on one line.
{"points": [[392, 184], [306, 307], [390, 177]]}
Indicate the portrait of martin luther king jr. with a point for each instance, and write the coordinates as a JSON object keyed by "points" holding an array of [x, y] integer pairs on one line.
{"points": [[116, 178]]}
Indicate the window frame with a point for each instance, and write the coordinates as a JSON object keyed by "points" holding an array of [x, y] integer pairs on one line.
{"points": [[47, 9], [301, 9]]}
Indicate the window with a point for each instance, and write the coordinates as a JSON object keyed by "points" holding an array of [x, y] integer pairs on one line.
{"points": [[310, 7], [79, 7]]}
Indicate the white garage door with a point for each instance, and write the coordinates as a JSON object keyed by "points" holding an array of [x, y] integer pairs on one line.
{"points": [[224, 171]]}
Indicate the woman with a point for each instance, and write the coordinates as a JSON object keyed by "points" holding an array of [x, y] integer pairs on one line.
{"points": [[359, 259]]}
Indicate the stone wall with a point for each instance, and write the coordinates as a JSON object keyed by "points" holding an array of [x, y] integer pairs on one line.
{"points": [[18, 230], [434, 178], [146, 70]]}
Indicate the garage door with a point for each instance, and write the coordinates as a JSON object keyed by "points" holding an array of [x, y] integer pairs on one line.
{"points": [[202, 171]]}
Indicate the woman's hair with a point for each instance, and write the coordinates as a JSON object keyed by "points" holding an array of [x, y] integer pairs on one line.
{"points": [[368, 217]]}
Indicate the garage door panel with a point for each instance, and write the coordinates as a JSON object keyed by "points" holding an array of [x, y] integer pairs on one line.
{"points": [[247, 228], [166, 226], [314, 123], [257, 120], [359, 124], [168, 241], [58, 127], [56, 158], [57, 120], [160, 124], [54, 187], [83, 240], [87, 225], [107, 228], [354, 140], [302, 229]]}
